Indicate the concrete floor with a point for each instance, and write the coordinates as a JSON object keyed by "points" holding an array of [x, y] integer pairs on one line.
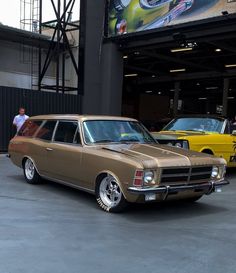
{"points": [[53, 229]]}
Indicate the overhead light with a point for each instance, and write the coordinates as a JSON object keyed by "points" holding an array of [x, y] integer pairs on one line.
{"points": [[198, 83], [153, 76], [148, 91], [202, 98], [230, 98], [131, 75], [230, 65], [177, 70], [159, 93], [218, 50], [191, 44], [211, 87], [181, 49], [136, 53], [125, 57]]}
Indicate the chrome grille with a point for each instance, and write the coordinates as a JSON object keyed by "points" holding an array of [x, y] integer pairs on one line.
{"points": [[185, 175]]}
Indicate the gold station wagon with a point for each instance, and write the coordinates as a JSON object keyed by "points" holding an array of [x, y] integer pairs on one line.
{"points": [[114, 158]]}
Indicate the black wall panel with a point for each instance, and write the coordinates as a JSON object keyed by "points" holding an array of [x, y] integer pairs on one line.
{"points": [[36, 103]]}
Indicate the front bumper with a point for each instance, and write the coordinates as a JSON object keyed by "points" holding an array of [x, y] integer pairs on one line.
{"points": [[208, 187]]}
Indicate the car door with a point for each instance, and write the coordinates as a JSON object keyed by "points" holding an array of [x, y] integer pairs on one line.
{"points": [[41, 142], [231, 131], [64, 153], [225, 145]]}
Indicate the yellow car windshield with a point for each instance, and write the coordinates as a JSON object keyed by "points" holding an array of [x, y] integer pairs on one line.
{"points": [[197, 124]]}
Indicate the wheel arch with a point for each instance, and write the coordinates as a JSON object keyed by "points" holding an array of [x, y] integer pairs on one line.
{"points": [[24, 158], [103, 174], [207, 150]]}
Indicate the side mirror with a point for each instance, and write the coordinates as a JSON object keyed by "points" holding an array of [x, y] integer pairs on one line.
{"points": [[233, 133]]}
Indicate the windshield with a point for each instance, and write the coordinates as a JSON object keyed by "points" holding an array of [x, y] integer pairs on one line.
{"points": [[115, 131], [195, 124]]}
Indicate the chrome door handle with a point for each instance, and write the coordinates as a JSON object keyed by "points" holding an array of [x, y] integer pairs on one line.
{"points": [[49, 149]]}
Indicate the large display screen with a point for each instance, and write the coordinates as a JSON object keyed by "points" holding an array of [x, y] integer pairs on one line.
{"points": [[129, 16]]}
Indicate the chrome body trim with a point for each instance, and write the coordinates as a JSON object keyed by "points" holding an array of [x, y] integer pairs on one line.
{"points": [[187, 173], [184, 174], [71, 185], [208, 186]]}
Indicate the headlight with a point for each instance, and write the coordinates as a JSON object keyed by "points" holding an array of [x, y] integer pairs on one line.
{"points": [[215, 172], [148, 177], [181, 144], [178, 145], [169, 144]]}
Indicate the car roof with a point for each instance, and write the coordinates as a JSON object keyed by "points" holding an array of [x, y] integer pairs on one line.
{"points": [[80, 117]]}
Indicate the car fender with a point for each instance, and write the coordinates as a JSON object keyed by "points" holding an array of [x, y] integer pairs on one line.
{"points": [[28, 157], [122, 186]]}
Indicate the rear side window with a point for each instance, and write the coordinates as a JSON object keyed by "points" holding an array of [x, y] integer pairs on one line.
{"points": [[29, 128], [66, 131], [46, 131]]}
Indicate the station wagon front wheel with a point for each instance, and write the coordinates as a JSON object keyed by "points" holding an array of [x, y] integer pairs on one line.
{"points": [[30, 172], [109, 195]]}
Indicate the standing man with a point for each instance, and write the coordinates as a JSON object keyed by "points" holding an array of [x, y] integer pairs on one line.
{"points": [[20, 119]]}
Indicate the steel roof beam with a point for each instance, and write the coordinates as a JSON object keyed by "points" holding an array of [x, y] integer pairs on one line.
{"points": [[187, 76], [177, 60]]}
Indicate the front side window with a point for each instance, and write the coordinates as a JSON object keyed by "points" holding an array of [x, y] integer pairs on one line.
{"points": [[46, 131], [195, 124], [66, 132], [29, 128], [115, 131]]}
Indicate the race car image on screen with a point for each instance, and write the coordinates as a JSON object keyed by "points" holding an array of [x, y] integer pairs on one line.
{"points": [[127, 16]]}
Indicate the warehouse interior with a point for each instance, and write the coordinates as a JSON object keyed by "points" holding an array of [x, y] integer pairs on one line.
{"points": [[186, 70]]}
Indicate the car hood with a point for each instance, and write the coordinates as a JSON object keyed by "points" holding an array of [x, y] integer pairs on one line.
{"points": [[155, 155], [176, 134]]}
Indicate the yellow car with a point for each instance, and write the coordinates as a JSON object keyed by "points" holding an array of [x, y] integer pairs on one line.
{"points": [[208, 134]]}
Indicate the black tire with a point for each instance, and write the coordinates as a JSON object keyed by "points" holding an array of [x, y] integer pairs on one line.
{"points": [[107, 188], [30, 172], [209, 152]]}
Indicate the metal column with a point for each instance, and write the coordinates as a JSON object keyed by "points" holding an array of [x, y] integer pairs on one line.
{"points": [[59, 46], [176, 99], [225, 97]]}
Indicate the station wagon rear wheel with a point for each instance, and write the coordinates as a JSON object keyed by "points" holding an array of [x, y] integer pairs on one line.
{"points": [[30, 172], [109, 195]]}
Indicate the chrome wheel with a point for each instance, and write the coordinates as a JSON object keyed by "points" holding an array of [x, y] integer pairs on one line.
{"points": [[29, 169], [110, 192]]}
